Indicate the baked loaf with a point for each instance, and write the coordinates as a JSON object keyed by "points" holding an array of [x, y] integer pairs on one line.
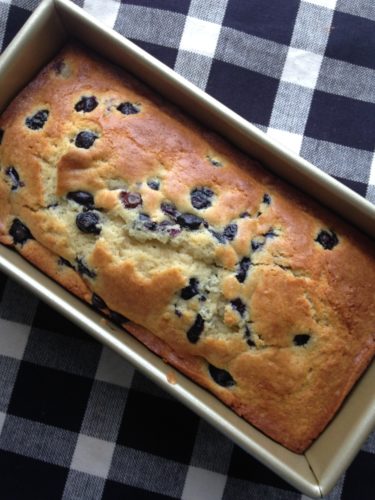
{"points": [[226, 272]]}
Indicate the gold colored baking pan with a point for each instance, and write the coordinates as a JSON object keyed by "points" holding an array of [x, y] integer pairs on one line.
{"points": [[313, 473]]}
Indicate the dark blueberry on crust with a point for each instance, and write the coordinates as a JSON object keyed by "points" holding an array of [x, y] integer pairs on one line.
{"points": [[130, 200], [177, 312], [220, 237], [38, 120], [147, 222], [87, 222], [195, 331], [127, 108], [301, 339], [165, 224], [215, 163], [1, 135], [86, 104], [270, 234], [221, 377], [98, 302], [230, 231], [85, 139], [191, 290], [82, 198], [256, 244], [327, 239], [266, 199], [201, 197], [174, 232], [64, 262], [12, 173], [238, 306], [189, 221], [259, 241], [153, 184], [19, 232], [186, 221], [249, 341], [170, 209], [84, 270], [117, 318], [244, 215], [244, 266], [59, 66], [169, 227]]}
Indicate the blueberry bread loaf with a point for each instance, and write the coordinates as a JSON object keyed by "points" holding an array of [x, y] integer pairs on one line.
{"points": [[238, 281]]}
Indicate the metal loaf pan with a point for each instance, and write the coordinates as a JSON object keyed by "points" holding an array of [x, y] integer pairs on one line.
{"points": [[313, 473]]}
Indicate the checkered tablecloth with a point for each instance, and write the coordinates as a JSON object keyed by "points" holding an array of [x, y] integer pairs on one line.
{"points": [[76, 421]]}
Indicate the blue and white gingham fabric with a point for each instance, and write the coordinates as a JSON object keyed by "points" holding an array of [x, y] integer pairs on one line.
{"points": [[76, 421]]}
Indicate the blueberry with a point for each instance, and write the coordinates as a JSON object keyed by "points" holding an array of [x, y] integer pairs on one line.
{"points": [[127, 108], [244, 215], [244, 266], [215, 163], [328, 240], [230, 231], [117, 318], [12, 173], [257, 243], [19, 232], [153, 184], [301, 339], [147, 222], [238, 306], [64, 262], [87, 222], [59, 66], [169, 227], [196, 329], [177, 312], [174, 232], [266, 199], [1, 135], [86, 104], [248, 337], [191, 290], [82, 198], [130, 200], [220, 237], [201, 197], [270, 234], [85, 139], [189, 221], [170, 209], [38, 120], [165, 224], [83, 269], [220, 376], [98, 302]]}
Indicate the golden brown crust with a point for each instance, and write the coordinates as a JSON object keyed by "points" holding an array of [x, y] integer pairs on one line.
{"points": [[243, 284]]}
